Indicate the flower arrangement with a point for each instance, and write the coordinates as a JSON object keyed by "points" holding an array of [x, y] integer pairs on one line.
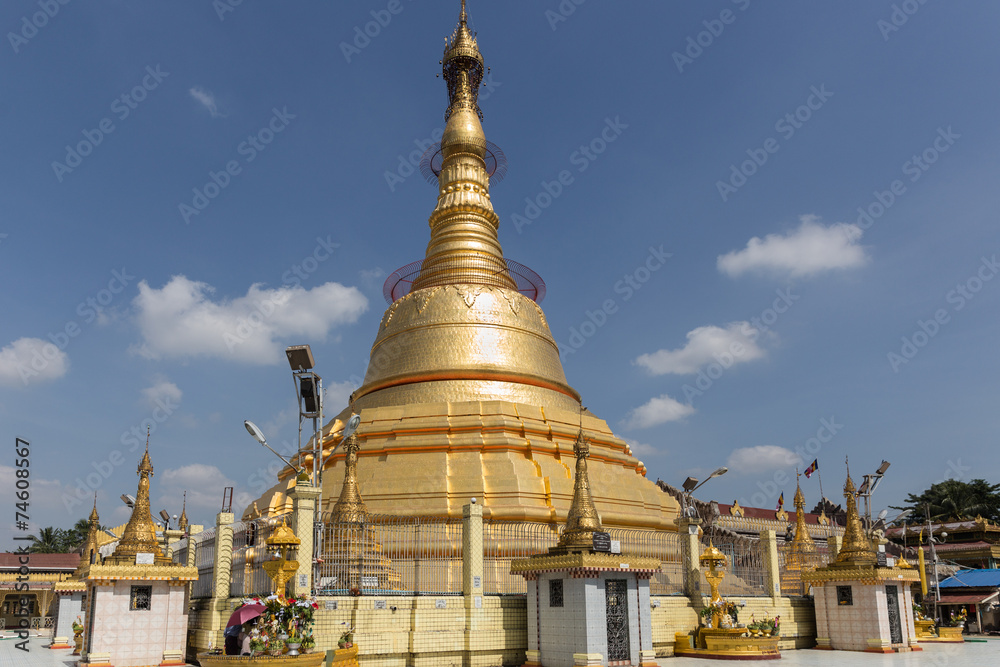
{"points": [[918, 611], [727, 609], [955, 620], [77, 626], [347, 636], [282, 622]]}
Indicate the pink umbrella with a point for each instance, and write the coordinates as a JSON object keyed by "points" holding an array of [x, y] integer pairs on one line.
{"points": [[244, 614]]}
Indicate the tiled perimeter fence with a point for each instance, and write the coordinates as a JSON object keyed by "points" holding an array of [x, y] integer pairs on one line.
{"points": [[391, 555]]}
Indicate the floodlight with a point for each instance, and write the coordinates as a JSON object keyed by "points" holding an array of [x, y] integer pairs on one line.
{"points": [[165, 516], [309, 391], [690, 483], [128, 500], [882, 468], [863, 489], [257, 434], [300, 357]]}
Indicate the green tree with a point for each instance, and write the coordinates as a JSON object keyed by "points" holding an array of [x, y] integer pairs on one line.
{"points": [[954, 500], [49, 541]]}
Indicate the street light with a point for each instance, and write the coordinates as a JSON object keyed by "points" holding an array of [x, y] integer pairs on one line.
{"points": [[128, 500], [258, 435], [691, 485]]}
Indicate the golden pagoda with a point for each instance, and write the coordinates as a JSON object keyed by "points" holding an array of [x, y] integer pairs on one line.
{"points": [[801, 555], [856, 549], [139, 536], [465, 394]]}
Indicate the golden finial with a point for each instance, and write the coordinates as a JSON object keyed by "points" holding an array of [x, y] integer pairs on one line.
{"points": [[583, 520], [856, 550], [139, 536], [182, 523], [350, 507], [93, 513]]}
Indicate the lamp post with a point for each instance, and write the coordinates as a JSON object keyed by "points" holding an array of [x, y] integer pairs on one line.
{"points": [[691, 484], [258, 435]]}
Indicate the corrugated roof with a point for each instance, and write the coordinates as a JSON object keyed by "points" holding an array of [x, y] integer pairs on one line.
{"points": [[973, 578], [972, 598], [38, 562]]}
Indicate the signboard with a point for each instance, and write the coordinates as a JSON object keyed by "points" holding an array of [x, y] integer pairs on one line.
{"points": [[380, 604], [440, 604], [144, 559], [881, 559], [478, 601], [602, 542], [616, 546], [330, 605], [303, 580], [369, 581], [477, 582]]}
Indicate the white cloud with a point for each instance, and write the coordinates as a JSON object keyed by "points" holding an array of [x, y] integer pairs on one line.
{"points": [[808, 250], [736, 344], [658, 410], [640, 449], [762, 458], [203, 484], [181, 321], [163, 392], [207, 100], [29, 360]]}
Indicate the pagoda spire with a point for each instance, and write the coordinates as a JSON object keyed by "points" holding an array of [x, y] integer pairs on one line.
{"points": [[350, 507], [802, 537], [583, 520], [182, 523], [139, 535], [91, 554], [856, 550], [464, 247]]}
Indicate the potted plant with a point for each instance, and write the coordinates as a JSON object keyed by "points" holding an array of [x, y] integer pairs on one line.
{"points": [[347, 636], [257, 644], [276, 646], [308, 643]]}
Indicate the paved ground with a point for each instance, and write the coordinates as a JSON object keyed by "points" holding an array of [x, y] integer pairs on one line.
{"points": [[984, 654]]}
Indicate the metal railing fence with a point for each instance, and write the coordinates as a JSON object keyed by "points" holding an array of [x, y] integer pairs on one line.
{"points": [[666, 546], [250, 553], [505, 541], [204, 558], [389, 555], [746, 569]]}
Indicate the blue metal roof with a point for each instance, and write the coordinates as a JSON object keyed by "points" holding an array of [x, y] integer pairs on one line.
{"points": [[973, 578]]}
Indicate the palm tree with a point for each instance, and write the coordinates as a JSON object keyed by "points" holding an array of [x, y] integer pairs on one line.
{"points": [[49, 541]]}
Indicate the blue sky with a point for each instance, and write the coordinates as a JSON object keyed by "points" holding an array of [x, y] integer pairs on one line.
{"points": [[739, 138]]}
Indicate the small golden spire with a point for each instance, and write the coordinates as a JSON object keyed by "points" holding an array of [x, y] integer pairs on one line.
{"points": [[583, 520], [139, 535], [182, 523], [90, 554], [802, 537], [856, 550], [350, 507]]}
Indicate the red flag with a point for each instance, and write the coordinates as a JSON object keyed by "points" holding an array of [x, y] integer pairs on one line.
{"points": [[781, 502], [813, 467]]}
